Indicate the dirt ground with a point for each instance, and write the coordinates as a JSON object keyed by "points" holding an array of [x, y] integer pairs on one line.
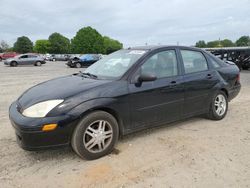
{"points": [[193, 153]]}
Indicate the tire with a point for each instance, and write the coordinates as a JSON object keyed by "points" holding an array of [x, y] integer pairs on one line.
{"points": [[38, 63], [13, 64], [88, 137], [78, 65], [53, 59], [219, 106], [1, 59]]}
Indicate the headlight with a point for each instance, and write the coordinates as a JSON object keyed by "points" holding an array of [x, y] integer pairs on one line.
{"points": [[41, 109]]}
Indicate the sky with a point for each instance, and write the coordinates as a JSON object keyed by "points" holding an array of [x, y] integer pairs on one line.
{"points": [[132, 22]]}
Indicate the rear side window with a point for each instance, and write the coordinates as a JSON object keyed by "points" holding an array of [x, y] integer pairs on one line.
{"points": [[32, 56], [214, 63], [193, 61]]}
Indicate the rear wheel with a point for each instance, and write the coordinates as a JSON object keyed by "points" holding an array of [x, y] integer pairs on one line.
{"points": [[218, 106], [13, 64], [95, 135], [38, 63]]}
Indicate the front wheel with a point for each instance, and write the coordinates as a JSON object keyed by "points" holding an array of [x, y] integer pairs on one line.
{"points": [[218, 106], [95, 135], [13, 64], [78, 65]]}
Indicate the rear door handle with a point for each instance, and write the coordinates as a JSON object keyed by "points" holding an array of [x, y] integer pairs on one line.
{"points": [[209, 76]]}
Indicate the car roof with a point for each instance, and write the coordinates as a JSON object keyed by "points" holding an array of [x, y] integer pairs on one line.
{"points": [[160, 47]]}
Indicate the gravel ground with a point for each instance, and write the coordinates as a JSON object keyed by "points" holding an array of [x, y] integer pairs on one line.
{"points": [[193, 153]]}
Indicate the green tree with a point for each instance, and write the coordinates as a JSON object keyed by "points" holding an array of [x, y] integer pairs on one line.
{"points": [[23, 45], [243, 41], [201, 44], [227, 43], [42, 46], [111, 45], [59, 44], [214, 44], [87, 40]]}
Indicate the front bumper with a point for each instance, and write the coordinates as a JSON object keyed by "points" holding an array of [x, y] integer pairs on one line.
{"points": [[70, 64], [29, 130]]}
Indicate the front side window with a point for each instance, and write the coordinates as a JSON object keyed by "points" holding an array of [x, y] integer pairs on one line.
{"points": [[162, 64], [193, 61], [24, 56]]}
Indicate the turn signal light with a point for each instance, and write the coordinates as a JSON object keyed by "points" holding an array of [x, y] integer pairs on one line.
{"points": [[49, 127]]}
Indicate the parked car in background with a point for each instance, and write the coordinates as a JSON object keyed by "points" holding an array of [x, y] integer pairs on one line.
{"points": [[244, 61], [127, 91], [7, 55], [25, 59], [47, 56], [75, 57], [84, 61], [1, 56], [59, 57]]}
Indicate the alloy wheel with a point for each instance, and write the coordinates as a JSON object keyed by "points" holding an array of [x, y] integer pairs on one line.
{"points": [[98, 136], [78, 65], [220, 105]]}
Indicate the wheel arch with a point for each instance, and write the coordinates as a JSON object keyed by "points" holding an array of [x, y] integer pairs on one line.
{"points": [[109, 110], [13, 62], [225, 91], [101, 104]]}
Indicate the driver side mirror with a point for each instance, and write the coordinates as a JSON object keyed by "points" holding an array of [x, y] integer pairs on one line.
{"points": [[145, 77]]}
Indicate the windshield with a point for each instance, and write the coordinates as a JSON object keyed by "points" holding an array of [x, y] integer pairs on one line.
{"points": [[115, 65], [18, 56]]}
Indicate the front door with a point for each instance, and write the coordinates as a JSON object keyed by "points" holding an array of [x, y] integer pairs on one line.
{"points": [[23, 60], [161, 100]]}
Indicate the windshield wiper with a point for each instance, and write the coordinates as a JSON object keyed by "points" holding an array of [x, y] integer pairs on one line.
{"points": [[88, 74]]}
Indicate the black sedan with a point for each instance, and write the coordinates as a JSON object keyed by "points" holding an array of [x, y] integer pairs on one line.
{"points": [[124, 92]]}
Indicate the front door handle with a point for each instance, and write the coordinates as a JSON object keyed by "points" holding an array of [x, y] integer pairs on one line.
{"points": [[173, 84], [170, 86]]}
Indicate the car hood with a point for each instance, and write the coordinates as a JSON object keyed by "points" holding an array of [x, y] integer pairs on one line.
{"points": [[10, 59], [59, 88]]}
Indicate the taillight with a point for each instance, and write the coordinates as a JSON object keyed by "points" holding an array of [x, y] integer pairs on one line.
{"points": [[238, 78]]}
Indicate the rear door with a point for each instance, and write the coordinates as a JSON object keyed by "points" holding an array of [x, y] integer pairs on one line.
{"points": [[199, 81], [32, 59]]}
